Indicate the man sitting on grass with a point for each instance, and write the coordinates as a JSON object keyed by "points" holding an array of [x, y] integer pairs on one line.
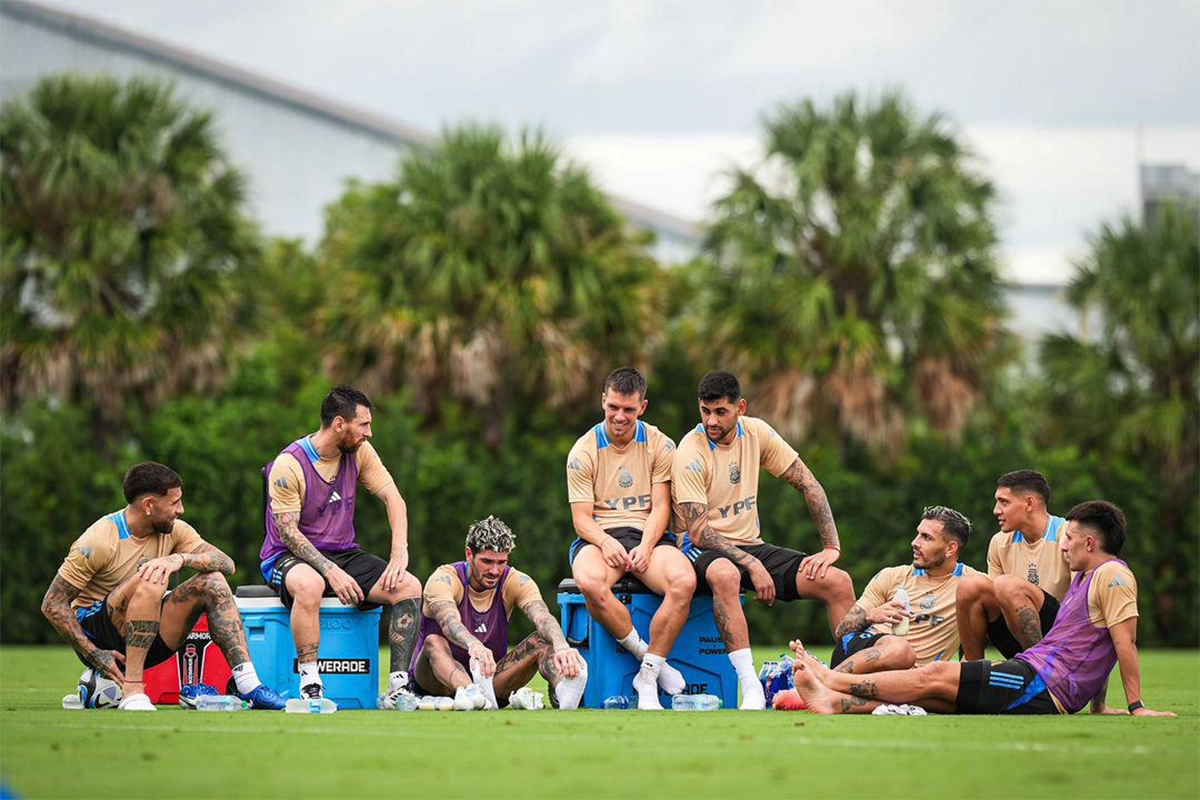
{"points": [[1096, 628]]}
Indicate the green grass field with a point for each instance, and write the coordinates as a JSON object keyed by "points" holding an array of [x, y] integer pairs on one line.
{"points": [[48, 752]]}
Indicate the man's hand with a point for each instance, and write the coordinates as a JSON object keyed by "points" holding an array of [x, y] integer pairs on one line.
{"points": [[345, 587], [639, 558], [481, 655], [568, 662], [160, 570], [890, 613], [1103, 708], [394, 572], [815, 566], [1150, 712], [108, 663], [615, 555], [764, 584]]}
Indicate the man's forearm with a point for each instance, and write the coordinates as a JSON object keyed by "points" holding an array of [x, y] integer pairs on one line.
{"points": [[799, 476], [397, 514], [298, 543], [446, 616], [209, 560], [1131, 671], [56, 608], [854, 621], [695, 516], [545, 624]]}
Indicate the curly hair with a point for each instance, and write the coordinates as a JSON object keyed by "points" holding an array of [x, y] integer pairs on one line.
{"points": [[490, 534]]}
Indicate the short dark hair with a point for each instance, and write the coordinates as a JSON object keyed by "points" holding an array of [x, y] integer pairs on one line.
{"points": [[954, 523], [626, 380], [719, 385], [149, 477], [1105, 519], [1026, 480], [342, 401]]}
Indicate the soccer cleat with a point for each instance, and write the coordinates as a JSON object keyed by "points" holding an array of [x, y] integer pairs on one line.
{"points": [[469, 698], [526, 699], [188, 695], [312, 691], [264, 698], [397, 691], [137, 702]]}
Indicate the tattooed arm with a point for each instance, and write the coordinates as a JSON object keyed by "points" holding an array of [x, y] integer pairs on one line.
{"points": [[56, 607], [567, 661], [445, 613], [803, 481], [695, 517], [859, 619], [345, 587], [207, 558]]}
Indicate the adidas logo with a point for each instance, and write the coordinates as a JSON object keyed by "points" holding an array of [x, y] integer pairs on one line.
{"points": [[335, 497], [482, 628], [574, 464], [695, 466]]}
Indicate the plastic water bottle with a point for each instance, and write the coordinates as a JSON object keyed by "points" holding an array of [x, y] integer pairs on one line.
{"points": [[220, 702], [901, 627], [695, 702], [616, 701], [72, 702], [303, 705]]}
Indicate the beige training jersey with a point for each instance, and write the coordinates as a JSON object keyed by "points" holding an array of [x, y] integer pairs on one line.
{"points": [[933, 631], [616, 481], [725, 476], [444, 584], [1112, 597], [107, 555], [287, 477], [1041, 563]]}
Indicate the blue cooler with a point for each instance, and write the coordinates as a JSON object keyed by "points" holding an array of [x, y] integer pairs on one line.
{"points": [[698, 653], [349, 655]]}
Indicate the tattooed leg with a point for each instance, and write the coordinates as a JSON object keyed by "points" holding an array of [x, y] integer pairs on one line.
{"points": [[1020, 601], [306, 587], [933, 687], [206, 593], [726, 582], [402, 633], [142, 612], [437, 670], [888, 652], [531, 654]]}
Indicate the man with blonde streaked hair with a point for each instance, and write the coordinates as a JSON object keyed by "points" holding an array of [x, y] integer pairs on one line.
{"points": [[462, 642]]}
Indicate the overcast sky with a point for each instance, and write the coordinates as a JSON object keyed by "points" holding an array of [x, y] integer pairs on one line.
{"points": [[660, 97]]}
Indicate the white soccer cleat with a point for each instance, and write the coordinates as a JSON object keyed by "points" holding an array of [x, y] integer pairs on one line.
{"points": [[397, 689], [526, 699], [137, 702], [469, 698]]}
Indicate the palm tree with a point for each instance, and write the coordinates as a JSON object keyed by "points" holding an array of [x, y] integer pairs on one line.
{"points": [[490, 274], [122, 240], [851, 276], [1132, 391]]}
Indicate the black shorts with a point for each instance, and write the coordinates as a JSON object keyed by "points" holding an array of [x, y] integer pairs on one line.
{"points": [[1003, 639], [628, 537], [364, 568], [853, 643], [99, 627], [781, 562], [1002, 687]]}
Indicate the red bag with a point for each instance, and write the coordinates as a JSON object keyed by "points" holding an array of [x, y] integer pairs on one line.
{"points": [[198, 661]]}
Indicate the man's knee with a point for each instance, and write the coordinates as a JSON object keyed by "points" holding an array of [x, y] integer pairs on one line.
{"points": [[593, 585], [897, 652], [408, 588], [1012, 591], [212, 585], [836, 586], [973, 589], [681, 583], [723, 577], [306, 588], [144, 593]]}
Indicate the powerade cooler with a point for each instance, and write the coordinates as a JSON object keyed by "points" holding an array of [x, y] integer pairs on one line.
{"points": [[698, 653], [349, 655]]}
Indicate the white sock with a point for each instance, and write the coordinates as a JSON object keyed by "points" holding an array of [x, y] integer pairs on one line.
{"points": [[645, 683], [570, 690], [634, 644], [309, 673], [753, 698], [246, 677], [489, 690], [670, 679]]}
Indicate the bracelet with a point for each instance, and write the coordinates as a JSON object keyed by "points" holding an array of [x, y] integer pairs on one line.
{"points": [[833, 547], [1135, 705]]}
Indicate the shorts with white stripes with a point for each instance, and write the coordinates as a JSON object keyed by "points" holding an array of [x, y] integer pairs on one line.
{"points": [[1002, 687]]}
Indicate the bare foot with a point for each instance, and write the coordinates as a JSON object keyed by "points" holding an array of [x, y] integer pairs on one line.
{"points": [[816, 695], [809, 660]]}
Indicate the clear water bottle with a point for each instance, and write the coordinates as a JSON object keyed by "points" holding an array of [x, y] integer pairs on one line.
{"points": [[71, 702], [616, 701], [220, 702], [302, 705], [695, 702], [901, 627], [405, 702]]}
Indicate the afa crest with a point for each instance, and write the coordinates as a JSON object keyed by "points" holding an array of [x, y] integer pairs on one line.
{"points": [[735, 473], [624, 478]]}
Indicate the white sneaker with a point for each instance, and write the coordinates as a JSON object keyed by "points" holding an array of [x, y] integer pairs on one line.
{"points": [[903, 710], [137, 702], [469, 698], [526, 699]]}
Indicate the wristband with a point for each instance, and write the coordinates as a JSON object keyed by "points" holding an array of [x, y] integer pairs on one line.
{"points": [[833, 547], [1135, 705]]}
